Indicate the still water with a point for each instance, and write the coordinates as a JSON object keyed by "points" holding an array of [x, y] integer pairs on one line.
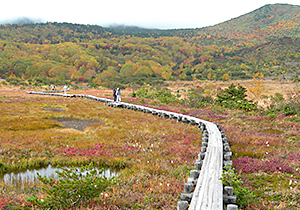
{"points": [[30, 176]]}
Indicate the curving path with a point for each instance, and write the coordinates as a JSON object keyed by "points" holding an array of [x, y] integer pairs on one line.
{"points": [[204, 189]]}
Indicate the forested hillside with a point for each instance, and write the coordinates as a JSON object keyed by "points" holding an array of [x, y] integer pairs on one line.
{"points": [[270, 21], [266, 40]]}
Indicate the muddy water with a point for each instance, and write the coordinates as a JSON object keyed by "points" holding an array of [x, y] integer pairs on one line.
{"points": [[30, 176]]}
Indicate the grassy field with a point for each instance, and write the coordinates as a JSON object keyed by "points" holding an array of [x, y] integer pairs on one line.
{"points": [[154, 155]]}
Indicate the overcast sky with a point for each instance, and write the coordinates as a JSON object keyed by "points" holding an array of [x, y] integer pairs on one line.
{"points": [[163, 14]]}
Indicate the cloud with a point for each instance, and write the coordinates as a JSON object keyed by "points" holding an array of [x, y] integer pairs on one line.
{"points": [[21, 20]]}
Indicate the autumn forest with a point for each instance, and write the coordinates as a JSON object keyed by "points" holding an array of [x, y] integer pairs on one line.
{"points": [[266, 40]]}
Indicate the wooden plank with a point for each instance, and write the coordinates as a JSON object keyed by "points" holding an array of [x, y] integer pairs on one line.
{"points": [[208, 193]]}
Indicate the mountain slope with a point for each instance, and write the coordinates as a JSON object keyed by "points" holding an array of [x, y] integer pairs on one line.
{"points": [[262, 40], [277, 20], [268, 21]]}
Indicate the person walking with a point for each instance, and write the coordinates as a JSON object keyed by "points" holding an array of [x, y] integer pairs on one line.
{"points": [[114, 94], [65, 88], [118, 93]]}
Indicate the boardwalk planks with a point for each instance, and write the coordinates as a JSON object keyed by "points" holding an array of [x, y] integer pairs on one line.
{"points": [[208, 193]]}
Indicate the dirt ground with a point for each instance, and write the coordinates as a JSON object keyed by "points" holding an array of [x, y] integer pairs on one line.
{"points": [[269, 87], [78, 124]]}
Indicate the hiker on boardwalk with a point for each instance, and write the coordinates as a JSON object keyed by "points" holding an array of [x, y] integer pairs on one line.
{"points": [[65, 89], [118, 93], [52, 87], [115, 94]]}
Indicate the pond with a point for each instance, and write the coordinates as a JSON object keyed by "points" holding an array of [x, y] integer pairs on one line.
{"points": [[19, 179]]}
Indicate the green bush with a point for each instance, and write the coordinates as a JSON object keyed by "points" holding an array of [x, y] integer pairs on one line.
{"points": [[294, 119], [163, 96], [287, 110], [143, 92], [289, 106], [73, 187], [244, 195], [197, 100], [133, 94], [42, 81], [15, 81], [234, 97], [2, 167]]}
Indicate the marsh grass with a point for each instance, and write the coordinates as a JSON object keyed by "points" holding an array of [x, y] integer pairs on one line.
{"points": [[141, 144], [155, 154]]}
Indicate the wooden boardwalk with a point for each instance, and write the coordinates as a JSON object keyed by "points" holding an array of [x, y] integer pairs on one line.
{"points": [[208, 193], [207, 187]]}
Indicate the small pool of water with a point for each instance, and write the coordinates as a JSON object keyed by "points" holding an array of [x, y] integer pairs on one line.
{"points": [[30, 175]]}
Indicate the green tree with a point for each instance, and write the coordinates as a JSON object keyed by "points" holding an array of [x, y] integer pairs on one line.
{"points": [[234, 97]]}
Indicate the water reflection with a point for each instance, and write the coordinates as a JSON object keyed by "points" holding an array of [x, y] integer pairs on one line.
{"points": [[30, 175]]}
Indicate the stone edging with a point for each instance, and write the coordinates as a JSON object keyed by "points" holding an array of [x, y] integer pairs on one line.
{"points": [[204, 189]]}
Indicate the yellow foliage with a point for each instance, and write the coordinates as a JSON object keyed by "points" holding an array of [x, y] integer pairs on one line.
{"points": [[166, 75], [207, 91], [209, 76], [72, 72], [243, 66], [97, 81], [211, 86], [105, 74], [257, 85], [225, 77], [77, 75]]}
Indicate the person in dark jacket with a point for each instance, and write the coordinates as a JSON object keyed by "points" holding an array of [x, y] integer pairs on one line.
{"points": [[115, 94]]}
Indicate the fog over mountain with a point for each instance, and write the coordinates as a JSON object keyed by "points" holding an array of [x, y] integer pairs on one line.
{"points": [[21, 20], [158, 14]]}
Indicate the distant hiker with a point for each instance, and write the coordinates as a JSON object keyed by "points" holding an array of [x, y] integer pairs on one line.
{"points": [[118, 93], [52, 87], [114, 94], [65, 88]]}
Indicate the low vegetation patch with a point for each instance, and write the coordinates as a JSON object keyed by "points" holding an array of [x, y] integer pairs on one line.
{"points": [[155, 154], [73, 187]]}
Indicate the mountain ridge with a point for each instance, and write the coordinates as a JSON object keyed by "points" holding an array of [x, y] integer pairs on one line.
{"points": [[122, 54], [256, 24], [261, 20]]}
